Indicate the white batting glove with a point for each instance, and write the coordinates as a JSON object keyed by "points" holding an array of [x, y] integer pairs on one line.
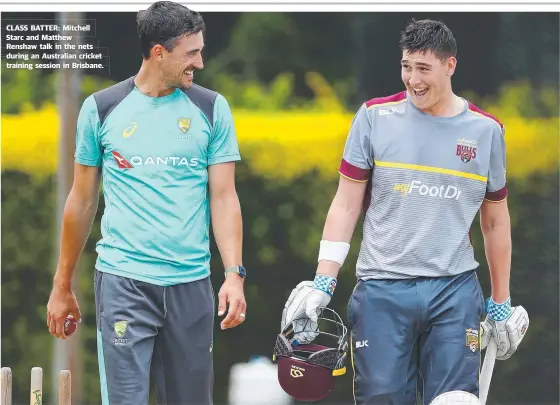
{"points": [[506, 324], [304, 305]]}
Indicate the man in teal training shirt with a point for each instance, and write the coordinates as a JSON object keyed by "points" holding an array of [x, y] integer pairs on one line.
{"points": [[165, 149]]}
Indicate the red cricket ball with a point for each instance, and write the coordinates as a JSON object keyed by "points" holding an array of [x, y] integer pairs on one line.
{"points": [[70, 326]]}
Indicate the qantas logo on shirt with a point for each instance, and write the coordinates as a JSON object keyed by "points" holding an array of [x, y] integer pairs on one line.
{"points": [[154, 161], [121, 162], [417, 187]]}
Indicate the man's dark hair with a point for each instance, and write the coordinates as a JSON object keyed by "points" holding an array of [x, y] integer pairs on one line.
{"points": [[165, 22], [428, 35]]}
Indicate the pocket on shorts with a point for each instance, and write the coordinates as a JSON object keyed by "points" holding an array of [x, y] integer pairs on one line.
{"points": [[350, 307], [212, 292], [480, 294], [98, 291]]}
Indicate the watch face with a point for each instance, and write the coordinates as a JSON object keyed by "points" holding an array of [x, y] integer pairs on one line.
{"points": [[242, 271]]}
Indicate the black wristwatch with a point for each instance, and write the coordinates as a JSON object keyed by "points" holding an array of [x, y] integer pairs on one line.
{"points": [[239, 270]]}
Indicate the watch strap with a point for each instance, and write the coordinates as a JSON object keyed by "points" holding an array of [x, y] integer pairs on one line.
{"points": [[239, 270]]}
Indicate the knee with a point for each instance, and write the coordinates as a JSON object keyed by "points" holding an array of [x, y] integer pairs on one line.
{"points": [[383, 391], [383, 397]]}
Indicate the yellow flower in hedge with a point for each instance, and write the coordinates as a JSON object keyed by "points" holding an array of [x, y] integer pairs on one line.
{"points": [[30, 141], [281, 144]]}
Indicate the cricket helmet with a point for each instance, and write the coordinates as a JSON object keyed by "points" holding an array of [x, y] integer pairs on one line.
{"points": [[307, 371]]}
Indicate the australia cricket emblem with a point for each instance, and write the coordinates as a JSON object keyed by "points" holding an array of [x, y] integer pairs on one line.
{"points": [[184, 124], [466, 150], [120, 328], [472, 339]]}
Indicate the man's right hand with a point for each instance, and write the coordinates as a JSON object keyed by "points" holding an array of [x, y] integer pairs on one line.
{"points": [[304, 302], [62, 302]]}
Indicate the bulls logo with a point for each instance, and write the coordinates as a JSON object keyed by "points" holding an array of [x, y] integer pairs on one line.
{"points": [[472, 339], [467, 155], [466, 150]]}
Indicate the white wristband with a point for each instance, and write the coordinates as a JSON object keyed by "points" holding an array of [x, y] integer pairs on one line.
{"points": [[333, 251]]}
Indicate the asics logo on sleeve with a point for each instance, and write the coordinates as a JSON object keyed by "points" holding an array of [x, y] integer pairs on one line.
{"points": [[417, 187]]}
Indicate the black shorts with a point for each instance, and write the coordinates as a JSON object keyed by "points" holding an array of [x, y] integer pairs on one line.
{"points": [[167, 331], [416, 336]]}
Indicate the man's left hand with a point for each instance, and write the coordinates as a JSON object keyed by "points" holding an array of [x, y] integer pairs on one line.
{"points": [[231, 295], [507, 325]]}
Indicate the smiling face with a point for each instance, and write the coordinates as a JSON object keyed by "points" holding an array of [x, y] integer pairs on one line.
{"points": [[177, 65], [171, 39], [428, 62], [427, 78]]}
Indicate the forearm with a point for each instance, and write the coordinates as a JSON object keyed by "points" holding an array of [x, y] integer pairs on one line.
{"points": [[339, 227], [227, 225], [76, 224], [497, 243]]}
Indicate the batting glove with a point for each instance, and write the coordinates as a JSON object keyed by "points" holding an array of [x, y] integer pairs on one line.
{"points": [[303, 306], [506, 324]]}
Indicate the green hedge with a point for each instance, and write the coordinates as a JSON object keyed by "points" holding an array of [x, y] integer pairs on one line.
{"points": [[282, 227]]}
